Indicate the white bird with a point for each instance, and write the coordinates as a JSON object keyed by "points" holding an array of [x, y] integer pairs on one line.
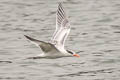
{"points": [[55, 48]]}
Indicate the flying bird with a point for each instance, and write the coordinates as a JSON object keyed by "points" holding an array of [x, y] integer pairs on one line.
{"points": [[55, 48]]}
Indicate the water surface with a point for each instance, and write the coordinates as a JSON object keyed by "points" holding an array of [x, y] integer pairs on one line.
{"points": [[95, 35]]}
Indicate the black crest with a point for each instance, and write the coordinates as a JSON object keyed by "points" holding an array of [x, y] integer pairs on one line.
{"points": [[70, 52]]}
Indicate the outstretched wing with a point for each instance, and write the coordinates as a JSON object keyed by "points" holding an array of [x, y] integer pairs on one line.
{"points": [[35, 41], [62, 27], [45, 47]]}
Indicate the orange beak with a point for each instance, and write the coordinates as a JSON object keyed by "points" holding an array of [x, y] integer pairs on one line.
{"points": [[76, 55]]}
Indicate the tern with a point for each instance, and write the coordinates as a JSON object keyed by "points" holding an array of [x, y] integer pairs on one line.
{"points": [[55, 48]]}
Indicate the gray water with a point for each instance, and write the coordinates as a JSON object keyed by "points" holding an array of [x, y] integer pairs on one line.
{"points": [[95, 35]]}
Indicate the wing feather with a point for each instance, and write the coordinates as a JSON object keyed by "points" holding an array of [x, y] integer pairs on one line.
{"points": [[45, 47], [62, 27]]}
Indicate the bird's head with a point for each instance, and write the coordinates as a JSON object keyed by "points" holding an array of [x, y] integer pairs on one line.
{"points": [[73, 53]]}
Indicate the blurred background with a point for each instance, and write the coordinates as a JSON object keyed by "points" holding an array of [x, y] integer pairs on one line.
{"points": [[95, 35]]}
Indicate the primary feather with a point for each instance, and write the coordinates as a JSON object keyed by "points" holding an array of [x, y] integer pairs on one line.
{"points": [[62, 27]]}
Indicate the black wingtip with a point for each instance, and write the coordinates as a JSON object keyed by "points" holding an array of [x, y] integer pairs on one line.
{"points": [[32, 39], [28, 37], [25, 35]]}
